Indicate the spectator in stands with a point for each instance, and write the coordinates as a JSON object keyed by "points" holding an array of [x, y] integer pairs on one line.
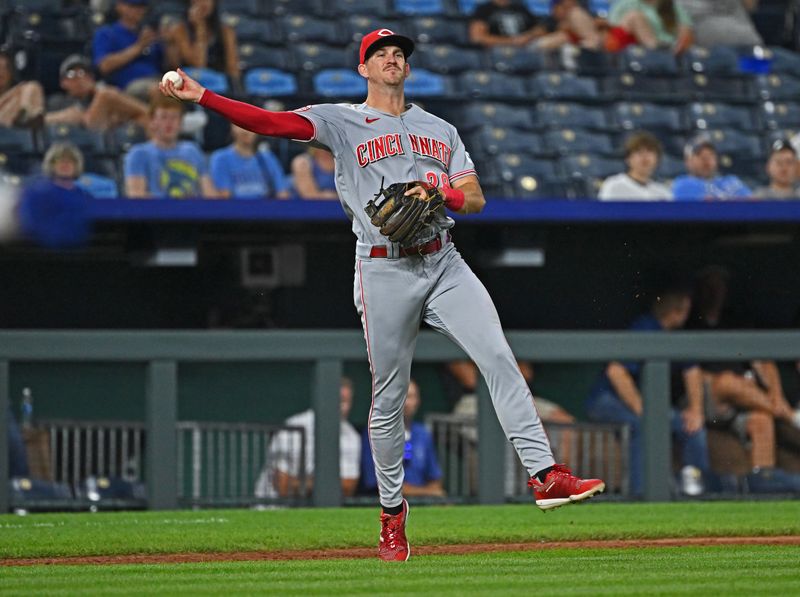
{"points": [[423, 477], [504, 23], [782, 166], [165, 167], [745, 397], [642, 154], [93, 105], [648, 23], [21, 104], [243, 171], [722, 22], [127, 53], [203, 41], [282, 476], [313, 174], [617, 398], [703, 182], [574, 26]]}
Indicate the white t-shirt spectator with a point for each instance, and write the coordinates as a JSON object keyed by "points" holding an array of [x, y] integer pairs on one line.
{"points": [[622, 187], [284, 452]]}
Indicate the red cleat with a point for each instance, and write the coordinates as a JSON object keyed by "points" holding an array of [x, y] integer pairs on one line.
{"points": [[394, 546], [561, 487]]}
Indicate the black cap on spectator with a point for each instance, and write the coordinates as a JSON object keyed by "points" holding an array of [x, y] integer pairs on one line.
{"points": [[74, 61]]}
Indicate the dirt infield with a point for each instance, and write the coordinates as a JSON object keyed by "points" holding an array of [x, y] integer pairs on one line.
{"points": [[370, 552]]}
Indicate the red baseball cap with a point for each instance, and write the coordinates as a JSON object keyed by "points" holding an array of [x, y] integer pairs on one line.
{"points": [[384, 37]]}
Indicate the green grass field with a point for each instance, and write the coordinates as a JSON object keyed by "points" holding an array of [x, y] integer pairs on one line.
{"points": [[664, 570]]}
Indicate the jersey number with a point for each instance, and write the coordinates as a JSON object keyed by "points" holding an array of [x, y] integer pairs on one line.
{"points": [[440, 180]]}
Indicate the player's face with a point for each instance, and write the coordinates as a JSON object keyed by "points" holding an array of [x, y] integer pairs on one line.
{"points": [[781, 167], [703, 163], [643, 162], [387, 65], [165, 125]]}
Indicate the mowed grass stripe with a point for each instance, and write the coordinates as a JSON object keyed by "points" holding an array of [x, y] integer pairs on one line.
{"points": [[55, 535], [653, 571]]}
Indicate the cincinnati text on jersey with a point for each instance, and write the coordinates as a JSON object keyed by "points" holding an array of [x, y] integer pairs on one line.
{"points": [[385, 146]]}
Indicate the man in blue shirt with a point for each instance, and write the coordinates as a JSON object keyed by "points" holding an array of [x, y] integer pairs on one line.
{"points": [[423, 477], [243, 171], [165, 167], [128, 55], [704, 182], [616, 397]]}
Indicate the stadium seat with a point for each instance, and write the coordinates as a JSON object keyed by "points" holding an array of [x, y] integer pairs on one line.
{"points": [[649, 116], [35, 5], [638, 59], [467, 7], [489, 84], [493, 140], [261, 56], [524, 176], [565, 114], [782, 61], [209, 78], [254, 30], [355, 26], [541, 8], [269, 82], [595, 63], [420, 7], [99, 186], [726, 89], [644, 88], [439, 30], [314, 57], [517, 60], [584, 165], [736, 143], [716, 60], [301, 29], [122, 138], [669, 167], [743, 167], [447, 59], [780, 115], [298, 7], [339, 83], [376, 8], [478, 114], [16, 140], [568, 141], [673, 142], [565, 86], [253, 8], [89, 142], [714, 115], [778, 87], [424, 83]]}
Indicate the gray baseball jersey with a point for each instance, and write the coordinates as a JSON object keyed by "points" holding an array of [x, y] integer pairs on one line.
{"points": [[394, 295]]}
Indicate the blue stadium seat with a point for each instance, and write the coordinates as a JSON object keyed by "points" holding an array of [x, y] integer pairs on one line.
{"points": [[253, 8], [669, 167], [778, 87], [339, 83], [254, 30], [309, 8], [596, 63], [488, 84], [89, 142], [644, 88], [541, 8], [783, 61], [467, 7], [512, 168], [354, 27], [567, 141], [643, 115], [122, 138], [478, 114], [718, 88], [269, 82], [98, 186], [584, 165], [424, 83], [493, 140], [209, 78], [447, 59], [512, 59], [299, 28], [717, 60], [439, 30], [376, 8], [736, 143], [314, 57], [420, 7], [16, 140], [744, 167], [565, 114], [780, 115], [261, 56], [638, 59], [566, 86], [714, 115]]}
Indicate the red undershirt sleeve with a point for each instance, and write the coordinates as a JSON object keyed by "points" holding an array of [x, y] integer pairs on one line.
{"points": [[258, 120]]}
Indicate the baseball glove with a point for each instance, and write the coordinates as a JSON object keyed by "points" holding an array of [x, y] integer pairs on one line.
{"points": [[399, 216]]}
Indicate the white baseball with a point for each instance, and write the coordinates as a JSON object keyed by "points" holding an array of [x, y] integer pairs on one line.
{"points": [[173, 76]]}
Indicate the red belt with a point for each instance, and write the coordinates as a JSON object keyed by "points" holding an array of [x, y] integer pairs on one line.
{"points": [[424, 249]]}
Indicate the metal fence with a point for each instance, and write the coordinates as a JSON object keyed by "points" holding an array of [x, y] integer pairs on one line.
{"points": [[595, 449]]}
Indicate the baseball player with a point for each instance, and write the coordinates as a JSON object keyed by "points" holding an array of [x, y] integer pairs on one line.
{"points": [[409, 272]]}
